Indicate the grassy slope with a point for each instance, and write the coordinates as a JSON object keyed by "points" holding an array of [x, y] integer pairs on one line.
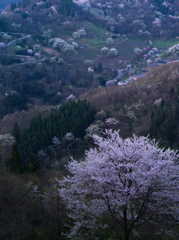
{"points": [[162, 44], [90, 46]]}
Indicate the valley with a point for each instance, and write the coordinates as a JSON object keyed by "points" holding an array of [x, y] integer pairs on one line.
{"points": [[98, 82]]}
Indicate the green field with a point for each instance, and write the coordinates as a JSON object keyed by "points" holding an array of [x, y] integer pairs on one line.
{"points": [[95, 39], [162, 44]]}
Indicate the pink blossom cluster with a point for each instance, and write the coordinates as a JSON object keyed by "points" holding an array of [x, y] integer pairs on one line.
{"points": [[122, 181]]}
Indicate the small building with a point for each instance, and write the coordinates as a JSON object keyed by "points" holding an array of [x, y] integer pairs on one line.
{"points": [[122, 83], [134, 78], [129, 80], [90, 70], [110, 83], [162, 62], [144, 70], [70, 98]]}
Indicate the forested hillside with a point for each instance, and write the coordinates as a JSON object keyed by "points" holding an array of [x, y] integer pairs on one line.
{"points": [[4, 3], [72, 118], [89, 120], [165, 124], [147, 106]]}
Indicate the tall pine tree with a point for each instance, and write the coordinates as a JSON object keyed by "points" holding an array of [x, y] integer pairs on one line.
{"points": [[0, 156], [67, 7], [15, 163], [100, 67], [32, 164], [16, 132]]}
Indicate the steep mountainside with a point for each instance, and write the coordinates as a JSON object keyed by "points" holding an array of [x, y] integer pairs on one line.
{"points": [[149, 105]]}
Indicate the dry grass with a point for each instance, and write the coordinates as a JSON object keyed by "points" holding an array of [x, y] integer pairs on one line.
{"points": [[23, 118], [50, 51], [115, 100]]}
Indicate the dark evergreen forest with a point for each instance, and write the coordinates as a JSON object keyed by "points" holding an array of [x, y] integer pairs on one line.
{"points": [[165, 126], [162, 7], [73, 117], [3, 3]]}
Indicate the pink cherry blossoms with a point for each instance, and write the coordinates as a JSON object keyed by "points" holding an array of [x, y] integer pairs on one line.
{"points": [[121, 184]]}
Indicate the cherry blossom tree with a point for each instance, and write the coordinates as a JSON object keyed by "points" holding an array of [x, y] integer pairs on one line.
{"points": [[122, 184], [56, 142]]}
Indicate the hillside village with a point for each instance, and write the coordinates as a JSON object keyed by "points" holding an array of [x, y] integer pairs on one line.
{"points": [[76, 38]]}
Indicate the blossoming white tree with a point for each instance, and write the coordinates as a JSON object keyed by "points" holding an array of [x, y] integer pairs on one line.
{"points": [[121, 185], [56, 142], [109, 41], [104, 50], [88, 63], [112, 52]]}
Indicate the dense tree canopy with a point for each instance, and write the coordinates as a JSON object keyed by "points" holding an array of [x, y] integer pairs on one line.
{"points": [[162, 7], [16, 132], [67, 7], [32, 164], [72, 117], [15, 163], [121, 185], [165, 121]]}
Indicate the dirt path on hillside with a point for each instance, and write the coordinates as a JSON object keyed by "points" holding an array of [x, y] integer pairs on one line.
{"points": [[51, 51]]}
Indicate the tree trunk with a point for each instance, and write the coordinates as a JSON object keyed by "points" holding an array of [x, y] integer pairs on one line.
{"points": [[126, 235], [58, 217], [126, 231]]}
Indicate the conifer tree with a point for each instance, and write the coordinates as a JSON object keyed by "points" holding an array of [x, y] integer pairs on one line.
{"points": [[0, 156], [67, 7], [172, 92], [100, 67], [177, 91], [13, 6], [15, 163], [71, 117], [32, 164], [16, 132]]}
